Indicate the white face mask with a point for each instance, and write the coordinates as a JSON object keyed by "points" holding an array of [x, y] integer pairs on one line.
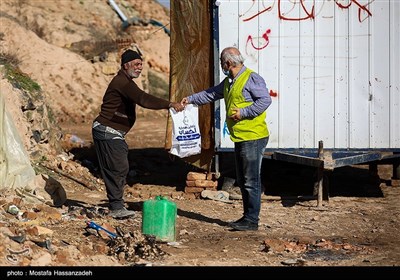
{"points": [[226, 72]]}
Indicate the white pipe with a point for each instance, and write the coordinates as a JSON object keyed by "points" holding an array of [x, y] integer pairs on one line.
{"points": [[119, 12]]}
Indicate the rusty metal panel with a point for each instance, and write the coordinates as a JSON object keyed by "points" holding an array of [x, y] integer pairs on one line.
{"points": [[191, 66]]}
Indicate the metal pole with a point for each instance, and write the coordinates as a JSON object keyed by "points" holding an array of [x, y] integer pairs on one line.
{"points": [[320, 173], [119, 12]]}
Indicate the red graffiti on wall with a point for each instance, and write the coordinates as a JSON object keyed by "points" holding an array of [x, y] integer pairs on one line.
{"points": [[257, 14], [258, 46], [259, 43], [361, 8], [309, 12], [309, 15], [273, 93]]}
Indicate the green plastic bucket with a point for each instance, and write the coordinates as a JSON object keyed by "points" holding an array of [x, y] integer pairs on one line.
{"points": [[159, 218]]}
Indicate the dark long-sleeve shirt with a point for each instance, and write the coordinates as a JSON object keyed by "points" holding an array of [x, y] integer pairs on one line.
{"points": [[118, 109]]}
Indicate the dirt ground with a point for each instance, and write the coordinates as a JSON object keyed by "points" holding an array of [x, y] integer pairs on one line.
{"points": [[358, 226]]}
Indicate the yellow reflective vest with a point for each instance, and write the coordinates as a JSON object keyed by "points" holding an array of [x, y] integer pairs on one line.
{"points": [[245, 129]]}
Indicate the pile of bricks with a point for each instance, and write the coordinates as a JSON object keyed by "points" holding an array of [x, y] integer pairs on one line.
{"points": [[197, 182]]}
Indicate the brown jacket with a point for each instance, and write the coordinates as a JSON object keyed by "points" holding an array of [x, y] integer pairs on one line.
{"points": [[119, 103]]}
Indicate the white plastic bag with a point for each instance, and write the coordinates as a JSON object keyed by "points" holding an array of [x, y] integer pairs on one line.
{"points": [[15, 166], [186, 138]]}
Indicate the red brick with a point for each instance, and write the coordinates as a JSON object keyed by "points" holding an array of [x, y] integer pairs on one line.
{"points": [[206, 183], [196, 176], [193, 190], [29, 215], [191, 183]]}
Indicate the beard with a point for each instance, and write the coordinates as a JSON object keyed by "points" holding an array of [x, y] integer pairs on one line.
{"points": [[133, 74]]}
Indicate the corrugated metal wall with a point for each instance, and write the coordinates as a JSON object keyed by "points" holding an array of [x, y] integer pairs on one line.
{"points": [[332, 68]]}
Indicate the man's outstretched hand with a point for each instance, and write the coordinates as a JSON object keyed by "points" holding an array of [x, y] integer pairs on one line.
{"points": [[177, 106]]}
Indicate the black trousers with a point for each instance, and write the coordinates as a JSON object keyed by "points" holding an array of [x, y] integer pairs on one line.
{"points": [[112, 155]]}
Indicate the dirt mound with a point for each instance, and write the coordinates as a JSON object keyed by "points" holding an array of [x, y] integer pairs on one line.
{"points": [[72, 49], [56, 59]]}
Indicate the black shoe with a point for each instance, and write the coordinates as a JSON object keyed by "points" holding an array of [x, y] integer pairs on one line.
{"points": [[121, 213], [244, 225], [236, 222]]}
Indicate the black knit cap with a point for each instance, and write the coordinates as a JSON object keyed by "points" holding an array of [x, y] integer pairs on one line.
{"points": [[129, 55]]}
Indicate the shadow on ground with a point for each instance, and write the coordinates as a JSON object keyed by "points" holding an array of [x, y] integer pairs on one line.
{"points": [[155, 166], [148, 166], [286, 179]]}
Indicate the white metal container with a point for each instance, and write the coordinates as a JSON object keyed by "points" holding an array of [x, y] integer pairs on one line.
{"points": [[332, 69]]}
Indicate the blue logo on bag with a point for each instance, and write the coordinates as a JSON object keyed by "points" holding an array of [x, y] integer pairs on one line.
{"points": [[187, 133], [188, 137]]}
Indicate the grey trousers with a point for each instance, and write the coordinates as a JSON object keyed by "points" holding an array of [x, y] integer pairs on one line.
{"points": [[112, 155]]}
